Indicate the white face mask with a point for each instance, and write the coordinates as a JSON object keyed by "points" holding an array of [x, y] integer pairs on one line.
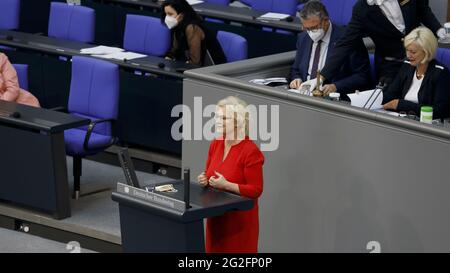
{"points": [[171, 22], [317, 34]]}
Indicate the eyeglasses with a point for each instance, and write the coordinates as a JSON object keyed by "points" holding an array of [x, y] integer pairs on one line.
{"points": [[315, 28], [409, 115]]}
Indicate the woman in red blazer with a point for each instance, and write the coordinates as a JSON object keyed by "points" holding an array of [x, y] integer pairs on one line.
{"points": [[234, 165]]}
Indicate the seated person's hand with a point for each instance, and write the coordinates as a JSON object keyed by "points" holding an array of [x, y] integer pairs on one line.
{"points": [[202, 179], [392, 105], [441, 33], [295, 84], [329, 88], [312, 84]]}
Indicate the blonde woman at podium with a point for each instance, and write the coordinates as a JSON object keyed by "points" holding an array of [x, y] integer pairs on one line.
{"points": [[9, 85], [234, 164]]}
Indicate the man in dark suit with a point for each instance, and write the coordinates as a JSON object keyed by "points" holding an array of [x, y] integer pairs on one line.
{"points": [[317, 43], [386, 22]]}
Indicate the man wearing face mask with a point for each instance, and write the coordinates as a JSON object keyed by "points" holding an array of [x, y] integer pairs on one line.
{"points": [[192, 42], [386, 22], [315, 45]]}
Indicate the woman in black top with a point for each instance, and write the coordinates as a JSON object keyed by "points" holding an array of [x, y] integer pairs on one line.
{"points": [[421, 80], [191, 40]]}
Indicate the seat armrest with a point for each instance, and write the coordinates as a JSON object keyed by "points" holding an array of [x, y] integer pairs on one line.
{"points": [[91, 129]]}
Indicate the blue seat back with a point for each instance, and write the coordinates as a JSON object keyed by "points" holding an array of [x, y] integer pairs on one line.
{"points": [[340, 11], [10, 14], [94, 91], [71, 22], [219, 2], [373, 72], [22, 75], [146, 35], [234, 46], [285, 6], [443, 56]]}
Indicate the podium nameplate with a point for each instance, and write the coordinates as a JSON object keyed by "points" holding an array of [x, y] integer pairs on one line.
{"points": [[151, 197]]}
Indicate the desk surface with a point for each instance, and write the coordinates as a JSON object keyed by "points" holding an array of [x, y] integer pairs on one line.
{"points": [[38, 118], [72, 48], [205, 202], [238, 14]]}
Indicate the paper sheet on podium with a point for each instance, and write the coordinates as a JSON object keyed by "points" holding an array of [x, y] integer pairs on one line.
{"points": [[121, 56], [100, 50], [366, 99], [273, 16], [193, 2]]}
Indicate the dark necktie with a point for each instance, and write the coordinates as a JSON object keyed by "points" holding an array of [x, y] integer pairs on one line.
{"points": [[315, 65]]}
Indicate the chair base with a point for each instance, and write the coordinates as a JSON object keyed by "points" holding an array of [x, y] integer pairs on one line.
{"points": [[76, 195], [77, 167]]}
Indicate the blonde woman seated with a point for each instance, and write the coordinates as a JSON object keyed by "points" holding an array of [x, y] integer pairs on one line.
{"points": [[422, 80], [9, 85], [234, 165]]}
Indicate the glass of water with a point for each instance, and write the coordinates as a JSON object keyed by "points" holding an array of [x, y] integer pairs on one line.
{"points": [[447, 123]]}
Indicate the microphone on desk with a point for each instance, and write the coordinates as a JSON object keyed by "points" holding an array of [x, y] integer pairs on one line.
{"points": [[161, 65], [289, 19], [15, 114], [380, 87], [187, 182]]}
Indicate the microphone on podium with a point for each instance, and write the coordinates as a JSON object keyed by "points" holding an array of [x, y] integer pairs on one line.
{"points": [[187, 182]]}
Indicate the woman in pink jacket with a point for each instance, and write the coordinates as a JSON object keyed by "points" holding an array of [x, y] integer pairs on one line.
{"points": [[9, 85]]}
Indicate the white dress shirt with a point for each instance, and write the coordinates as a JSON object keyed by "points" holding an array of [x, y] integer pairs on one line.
{"points": [[413, 92], [391, 9], [323, 51]]}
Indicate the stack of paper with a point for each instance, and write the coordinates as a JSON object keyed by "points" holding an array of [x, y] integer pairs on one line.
{"points": [[100, 50], [371, 99], [273, 16], [121, 56], [193, 2], [395, 114]]}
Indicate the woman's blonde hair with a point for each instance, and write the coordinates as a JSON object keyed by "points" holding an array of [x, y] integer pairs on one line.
{"points": [[424, 38], [239, 108]]}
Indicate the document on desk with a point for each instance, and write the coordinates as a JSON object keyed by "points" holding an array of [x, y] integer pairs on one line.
{"points": [[193, 2], [269, 81], [273, 16], [121, 56], [382, 111], [101, 50], [366, 99]]}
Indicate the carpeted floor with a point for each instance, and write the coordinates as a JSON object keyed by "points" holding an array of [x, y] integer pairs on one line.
{"points": [[94, 211]]}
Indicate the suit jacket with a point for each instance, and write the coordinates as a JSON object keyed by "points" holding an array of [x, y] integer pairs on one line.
{"points": [[370, 21], [353, 75], [433, 91], [9, 85]]}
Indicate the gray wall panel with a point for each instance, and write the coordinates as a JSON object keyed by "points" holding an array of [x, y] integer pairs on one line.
{"points": [[338, 181]]}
